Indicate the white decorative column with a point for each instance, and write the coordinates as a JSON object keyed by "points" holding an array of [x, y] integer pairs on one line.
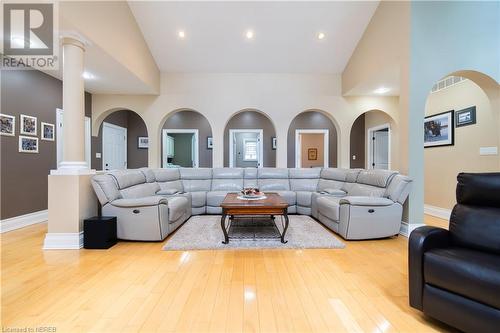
{"points": [[70, 195]]}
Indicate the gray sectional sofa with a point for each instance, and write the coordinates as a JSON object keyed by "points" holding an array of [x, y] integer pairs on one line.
{"points": [[152, 203]]}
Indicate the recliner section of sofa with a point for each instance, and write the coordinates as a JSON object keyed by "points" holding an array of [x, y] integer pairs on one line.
{"points": [[355, 203]]}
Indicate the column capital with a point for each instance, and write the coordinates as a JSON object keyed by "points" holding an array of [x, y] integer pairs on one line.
{"points": [[74, 38]]}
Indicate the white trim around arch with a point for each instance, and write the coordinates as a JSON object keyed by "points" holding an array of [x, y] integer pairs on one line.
{"points": [[369, 134], [196, 145], [326, 149]]}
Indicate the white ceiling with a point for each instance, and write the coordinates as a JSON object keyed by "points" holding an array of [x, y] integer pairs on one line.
{"points": [[285, 38]]}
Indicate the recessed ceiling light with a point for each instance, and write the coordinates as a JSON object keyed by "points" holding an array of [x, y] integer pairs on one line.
{"points": [[88, 76], [181, 34], [381, 90], [249, 34], [321, 35]]}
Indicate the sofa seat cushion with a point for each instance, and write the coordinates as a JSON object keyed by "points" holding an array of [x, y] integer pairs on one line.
{"points": [[177, 207], [329, 206], [289, 196], [215, 198], [470, 273]]}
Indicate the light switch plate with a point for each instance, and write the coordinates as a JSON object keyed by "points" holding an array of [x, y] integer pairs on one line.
{"points": [[354, 157], [488, 150], [97, 155]]}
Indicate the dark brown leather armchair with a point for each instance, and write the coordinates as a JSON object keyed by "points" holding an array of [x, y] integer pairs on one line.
{"points": [[454, 275]]}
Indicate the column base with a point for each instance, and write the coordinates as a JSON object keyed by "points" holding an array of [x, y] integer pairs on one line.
{"points": [[63, 241], [73, 168], [407, 228]]}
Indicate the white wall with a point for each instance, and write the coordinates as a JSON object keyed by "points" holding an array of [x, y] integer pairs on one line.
{"points": [[219, 96]]}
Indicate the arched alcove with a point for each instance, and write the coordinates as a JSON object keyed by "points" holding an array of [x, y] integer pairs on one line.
{"points": [[107, 150], [183, 126], [251, 119], [461, 133], [380, 151], [313, 120]]}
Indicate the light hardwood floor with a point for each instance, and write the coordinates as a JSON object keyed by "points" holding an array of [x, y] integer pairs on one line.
{"points": [[138, 287]]}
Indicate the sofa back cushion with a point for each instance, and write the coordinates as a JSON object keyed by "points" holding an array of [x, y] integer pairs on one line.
{"points": [[250, 177], [127, 178], [398, 189], [196, 179], [105, 188], [273, 179], [149, 174], [227, 179], [335, 178], [140, 191], [304, 179], [475, 220], [169, 179], [376, 177]]}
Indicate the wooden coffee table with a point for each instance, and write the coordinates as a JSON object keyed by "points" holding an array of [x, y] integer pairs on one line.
{"points": [[273, 205]]}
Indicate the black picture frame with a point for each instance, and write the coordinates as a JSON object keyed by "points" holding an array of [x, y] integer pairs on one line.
{"points": [[210, 142], [465, 117], [274, 143], [431, 136]]}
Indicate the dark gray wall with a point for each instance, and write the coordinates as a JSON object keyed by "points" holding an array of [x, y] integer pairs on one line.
{"points": [[252, 120], [24, 176], [136, 158], [357, 142], [188, 119], [312, 120], [182, 149]]}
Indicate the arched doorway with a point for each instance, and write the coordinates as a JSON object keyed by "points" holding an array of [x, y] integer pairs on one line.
{"points": [[122, 142], [312, 140], [186, 140], [461, 134], [248, 140], [373, 140]]}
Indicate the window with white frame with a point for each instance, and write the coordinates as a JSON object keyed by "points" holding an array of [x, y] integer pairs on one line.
{"points": [[250, 149]]}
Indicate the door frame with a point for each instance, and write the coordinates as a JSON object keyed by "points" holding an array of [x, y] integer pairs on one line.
{"points": [[260, 131], [59, 141], [194, 131], [369, 135], [109, 125], [326, 148]]}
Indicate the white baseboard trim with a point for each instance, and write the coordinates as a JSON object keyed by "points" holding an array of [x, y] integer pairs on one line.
{"points": [[18, 222], [63, 241], [442, 213], [406, 229]]}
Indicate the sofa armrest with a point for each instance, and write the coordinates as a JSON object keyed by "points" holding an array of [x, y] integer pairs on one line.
{"points": [[365, 201], [421, 240], [140, 202]]}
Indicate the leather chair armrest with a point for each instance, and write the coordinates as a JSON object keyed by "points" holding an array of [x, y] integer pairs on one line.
{"points": [[421, 240], [140, 202], [365, 201]]}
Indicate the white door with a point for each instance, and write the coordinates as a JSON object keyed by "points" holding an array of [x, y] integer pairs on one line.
{"points": [[380, 150], [194, 148], [60, 137], [255, 147], [114, 147]]}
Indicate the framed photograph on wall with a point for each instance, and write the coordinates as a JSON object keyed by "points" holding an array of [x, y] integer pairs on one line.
{"points": [[273, 142], [7, 125], [28, 144], [48, 131], [142, 142], [28, 125], [312, 154], [439, 130], [465, 117], [210, 142]]}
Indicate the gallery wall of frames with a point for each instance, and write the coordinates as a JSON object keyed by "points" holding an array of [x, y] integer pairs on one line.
{"points": [[28, 139]]}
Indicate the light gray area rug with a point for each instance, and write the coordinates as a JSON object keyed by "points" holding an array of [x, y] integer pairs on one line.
{"points": [[205, 233]]}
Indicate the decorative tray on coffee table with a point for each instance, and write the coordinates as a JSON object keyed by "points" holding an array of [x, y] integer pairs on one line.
{"points": [[251, 194]]}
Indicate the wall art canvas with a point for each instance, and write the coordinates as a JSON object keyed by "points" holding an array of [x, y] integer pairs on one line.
{"points": [[7, 125], [465, 117], [142, 142], [28, 125], [48, 131], [439, 130], [28, 144]]}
